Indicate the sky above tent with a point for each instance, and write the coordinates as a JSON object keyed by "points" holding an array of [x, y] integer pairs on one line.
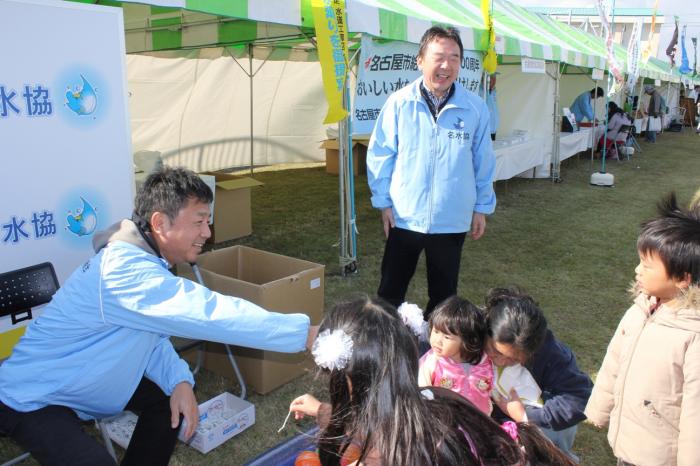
{"points": [[687, 11]]}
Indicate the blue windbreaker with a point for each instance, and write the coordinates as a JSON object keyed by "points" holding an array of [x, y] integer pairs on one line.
{"points": [[108, 327], [434, 174], [582, 107]]}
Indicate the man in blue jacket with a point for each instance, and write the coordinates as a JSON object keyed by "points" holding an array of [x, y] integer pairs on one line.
{"points": [[430, 167], [583, 107], [101, 345]]}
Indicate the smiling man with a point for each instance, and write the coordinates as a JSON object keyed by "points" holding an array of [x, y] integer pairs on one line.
{"points": [[430, 167], [101, 345]]}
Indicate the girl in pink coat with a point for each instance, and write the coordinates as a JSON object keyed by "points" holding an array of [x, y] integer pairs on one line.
{"points": [[456, 359]]}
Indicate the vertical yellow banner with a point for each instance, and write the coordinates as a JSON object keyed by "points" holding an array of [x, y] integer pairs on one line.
{"points": [[332, 43], [491, 59]]}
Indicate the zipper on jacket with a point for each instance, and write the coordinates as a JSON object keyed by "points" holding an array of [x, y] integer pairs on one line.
{"points": [[649, 405], [433, 162], [622, 395]]}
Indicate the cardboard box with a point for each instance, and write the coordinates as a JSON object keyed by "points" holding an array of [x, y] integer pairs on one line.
{"points": [[275, 282], [232, 217], [359, 155], [220, 419]]}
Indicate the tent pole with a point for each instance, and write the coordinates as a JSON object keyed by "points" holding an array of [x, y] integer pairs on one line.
{"points": [[556, 123], [250, 65], [594, 142]]}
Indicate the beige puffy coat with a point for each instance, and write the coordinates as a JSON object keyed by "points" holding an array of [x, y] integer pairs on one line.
{"points": [[648, 388]]}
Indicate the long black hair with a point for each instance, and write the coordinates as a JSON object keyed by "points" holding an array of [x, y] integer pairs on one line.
{"points": [[375, 401]]}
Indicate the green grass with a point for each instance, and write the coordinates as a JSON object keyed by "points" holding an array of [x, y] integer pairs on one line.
{"points": [[571, 245]]}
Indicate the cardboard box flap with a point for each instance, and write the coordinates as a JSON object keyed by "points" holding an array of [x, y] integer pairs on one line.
{"points": [[239, 183], [230, 182], [333, 143], [254, 266]]}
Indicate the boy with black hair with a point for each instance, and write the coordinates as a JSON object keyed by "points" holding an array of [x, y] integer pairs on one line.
{"points": [[648, 388]]}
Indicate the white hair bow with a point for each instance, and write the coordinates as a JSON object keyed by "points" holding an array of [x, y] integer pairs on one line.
{"points": [[412, 316], [332, 349]]}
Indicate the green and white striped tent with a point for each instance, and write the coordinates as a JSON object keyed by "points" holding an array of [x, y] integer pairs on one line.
{"points": [[284, 27], [160, 25]]}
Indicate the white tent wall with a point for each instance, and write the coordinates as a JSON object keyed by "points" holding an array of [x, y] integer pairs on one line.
{"points": [[196, 112], [526, 102]]}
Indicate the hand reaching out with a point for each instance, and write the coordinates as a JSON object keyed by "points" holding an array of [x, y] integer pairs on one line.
{"points": [[305, 405], [512, 406]]}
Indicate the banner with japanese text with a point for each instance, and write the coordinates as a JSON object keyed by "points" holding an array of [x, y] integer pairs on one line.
{"points": [[65, 150], [332, 43], [389, 66]]}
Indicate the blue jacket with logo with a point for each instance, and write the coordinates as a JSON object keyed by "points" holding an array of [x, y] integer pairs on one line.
{"points": [[433, 173], [108, 327]]}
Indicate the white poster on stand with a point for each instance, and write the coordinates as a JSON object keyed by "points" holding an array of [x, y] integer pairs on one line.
{"points": [[65, 143], [387, 67]]}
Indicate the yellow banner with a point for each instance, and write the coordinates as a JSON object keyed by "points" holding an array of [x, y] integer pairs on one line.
{"points": [[646, 53], [491, 59], [332, 43]]}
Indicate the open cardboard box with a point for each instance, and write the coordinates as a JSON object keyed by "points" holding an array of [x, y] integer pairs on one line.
{"points": [[359, 155], [220, 419], [232, 216], [275, 282]]}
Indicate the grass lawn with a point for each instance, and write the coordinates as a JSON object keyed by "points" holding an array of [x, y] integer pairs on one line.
{"points": [[571, 245]]}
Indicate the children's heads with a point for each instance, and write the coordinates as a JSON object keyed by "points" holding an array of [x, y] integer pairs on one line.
{"points": [[458, 330], [376, 401], [669, 250], [516, 326]]}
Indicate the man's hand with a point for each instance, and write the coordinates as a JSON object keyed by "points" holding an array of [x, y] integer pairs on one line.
{"points": [[478, 225], [512, 406], [183, 401], [388, 220], [305, 405], [313, 331]]}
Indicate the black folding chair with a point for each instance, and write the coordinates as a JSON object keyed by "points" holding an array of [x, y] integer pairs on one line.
{"points": [[23, 289]]}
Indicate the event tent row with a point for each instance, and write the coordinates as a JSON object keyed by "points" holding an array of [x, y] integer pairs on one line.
{"points": [[215, 85]]}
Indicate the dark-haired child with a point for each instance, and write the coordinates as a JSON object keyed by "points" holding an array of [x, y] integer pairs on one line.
{"points": [[518, 334], [648, 388], [456, 359], [378, 411]]}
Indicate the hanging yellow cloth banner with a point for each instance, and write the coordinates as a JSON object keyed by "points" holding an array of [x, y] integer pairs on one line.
{"points": [[332, 43], [647, 52], [491, 59]]}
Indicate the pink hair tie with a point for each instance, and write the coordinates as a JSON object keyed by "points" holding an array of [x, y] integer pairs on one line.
{"points": [[511, 429]]}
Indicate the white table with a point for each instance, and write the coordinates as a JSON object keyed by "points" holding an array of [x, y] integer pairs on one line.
{"points": [[572, 143], [517, 158]]}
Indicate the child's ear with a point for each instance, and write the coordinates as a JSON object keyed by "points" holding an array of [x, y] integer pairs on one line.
{"points": [[684, 284]]}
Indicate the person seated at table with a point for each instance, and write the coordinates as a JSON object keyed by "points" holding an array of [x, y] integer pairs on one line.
{"points": [[102, 346], [617, 118], [582, 107]]}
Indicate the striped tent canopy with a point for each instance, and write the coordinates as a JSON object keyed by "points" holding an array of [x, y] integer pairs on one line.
{"points": [[283, 29], [168, 25]]}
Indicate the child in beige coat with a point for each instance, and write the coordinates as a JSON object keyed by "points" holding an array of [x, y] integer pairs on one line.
{"points": [[648, 388]]}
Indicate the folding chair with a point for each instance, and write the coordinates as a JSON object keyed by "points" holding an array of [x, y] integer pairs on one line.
{"points": [[623, 136], [20, 291], [183, 344], [679, 113]]}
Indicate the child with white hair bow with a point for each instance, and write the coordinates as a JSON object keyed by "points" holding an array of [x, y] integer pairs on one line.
{"points": [[378, 411]]}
